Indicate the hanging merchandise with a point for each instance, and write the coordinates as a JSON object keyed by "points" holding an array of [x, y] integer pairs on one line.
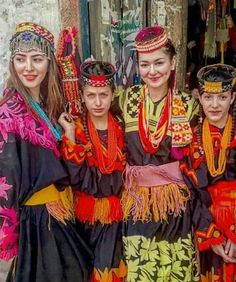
{"points": [[210, 35], [204, 4], [232, 29], [222, 31], [68, 60], [223, 4], [203, 8], [222, 36]]}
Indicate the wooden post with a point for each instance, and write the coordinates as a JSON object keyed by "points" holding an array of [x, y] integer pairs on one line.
{"points": [[173, 16]]}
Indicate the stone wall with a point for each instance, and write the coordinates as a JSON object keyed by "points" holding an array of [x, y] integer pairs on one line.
{"points": [[12, 12]]}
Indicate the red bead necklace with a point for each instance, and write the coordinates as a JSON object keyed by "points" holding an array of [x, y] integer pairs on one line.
{"points": [[106, 157], [151, 141]]}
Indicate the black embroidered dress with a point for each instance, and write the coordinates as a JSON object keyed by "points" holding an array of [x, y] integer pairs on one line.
{"points": [[44, 248], [157, 220], [214, 205], [97, 202]]}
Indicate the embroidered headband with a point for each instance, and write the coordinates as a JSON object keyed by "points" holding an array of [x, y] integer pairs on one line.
{"points": [[97, 73], [216, 78], [30, 36], [150, 39]]}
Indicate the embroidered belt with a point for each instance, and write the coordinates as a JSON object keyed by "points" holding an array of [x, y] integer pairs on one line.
{"points": [[59, 204], [151, 175], [153, 192]]}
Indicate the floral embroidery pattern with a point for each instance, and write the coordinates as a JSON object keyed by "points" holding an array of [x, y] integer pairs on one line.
{"points": [[211, 276], [149, 260], [110, 275], [4, 187], [9, 225], [15, 118]]}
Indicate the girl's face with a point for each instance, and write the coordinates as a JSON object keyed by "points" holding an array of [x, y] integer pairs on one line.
{"points": [[155, 67], [31, 68], [97, 100], [216, 107]]}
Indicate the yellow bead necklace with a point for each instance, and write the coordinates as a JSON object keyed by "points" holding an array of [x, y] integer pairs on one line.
{"points": [[209, 150]]}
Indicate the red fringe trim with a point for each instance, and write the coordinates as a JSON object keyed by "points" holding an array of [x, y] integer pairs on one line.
{"points": [[91, 209]]}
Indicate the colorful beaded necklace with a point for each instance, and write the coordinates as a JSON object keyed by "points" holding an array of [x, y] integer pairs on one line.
{"points": [[209, 150], [151, 141], [56, 131], [106, 158]]}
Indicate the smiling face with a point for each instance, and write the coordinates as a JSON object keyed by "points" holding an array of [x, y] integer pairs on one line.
{"points": [[216, 107], [31, 68], [97, 100], [155, 68]]}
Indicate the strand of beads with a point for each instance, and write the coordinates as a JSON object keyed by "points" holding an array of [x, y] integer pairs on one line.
{"points": [[56, 131]]}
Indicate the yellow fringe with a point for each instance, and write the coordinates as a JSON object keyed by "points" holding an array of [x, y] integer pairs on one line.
{"points": [[155, 203], [62, 209], [101, 210], [59, 204]]}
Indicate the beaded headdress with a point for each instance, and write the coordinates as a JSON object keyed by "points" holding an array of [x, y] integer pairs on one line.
{"points": [[216, 79], [97, 73], [30, 36], [150, 39], [68, 60]]}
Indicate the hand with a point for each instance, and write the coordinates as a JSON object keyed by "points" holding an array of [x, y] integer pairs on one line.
{"points": [[90, 59], [67, 123], [220, 251], [230, 249]]}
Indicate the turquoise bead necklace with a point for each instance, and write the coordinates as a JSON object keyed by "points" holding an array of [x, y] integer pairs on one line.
{"points": [[56, 131]]}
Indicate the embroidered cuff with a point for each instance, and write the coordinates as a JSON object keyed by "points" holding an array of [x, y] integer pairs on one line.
{"points": [[205, 239], [230, 233], [72, 151]]}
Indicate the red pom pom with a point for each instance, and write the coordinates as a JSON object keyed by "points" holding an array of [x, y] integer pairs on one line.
{"points": [[68, 38], [74, 31]]}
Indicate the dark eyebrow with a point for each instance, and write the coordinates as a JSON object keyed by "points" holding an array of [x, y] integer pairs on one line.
{"points": [[39, 55], [89, 92], [24, 55], [144, 61]]}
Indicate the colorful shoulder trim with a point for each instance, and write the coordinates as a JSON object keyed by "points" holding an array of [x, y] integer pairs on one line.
{"points": [[15, 118]]}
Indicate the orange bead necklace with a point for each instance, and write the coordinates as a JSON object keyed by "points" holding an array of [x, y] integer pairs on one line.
{"points": [[106, 157]]}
